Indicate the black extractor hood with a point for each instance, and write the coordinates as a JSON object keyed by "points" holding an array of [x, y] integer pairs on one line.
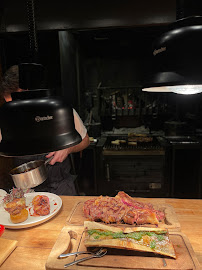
{"points": [[177, 55]]}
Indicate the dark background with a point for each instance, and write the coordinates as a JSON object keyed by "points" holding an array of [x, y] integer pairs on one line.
{"points": [[92, 49]]}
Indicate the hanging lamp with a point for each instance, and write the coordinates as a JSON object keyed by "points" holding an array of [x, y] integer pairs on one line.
{"points": [[177, 59], [35, 121]]}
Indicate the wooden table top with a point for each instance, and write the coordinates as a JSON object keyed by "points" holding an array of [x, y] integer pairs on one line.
{"points": [[35, 243]]}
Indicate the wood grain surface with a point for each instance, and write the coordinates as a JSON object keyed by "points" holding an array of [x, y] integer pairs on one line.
{"points": [[122, 259], [35, 244], [6, 247]]}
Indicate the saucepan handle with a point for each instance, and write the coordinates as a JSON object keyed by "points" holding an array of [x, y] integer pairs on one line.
{"points": [[48, 160]]}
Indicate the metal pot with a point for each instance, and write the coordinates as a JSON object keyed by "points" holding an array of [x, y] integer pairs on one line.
{"points": [[31, 174]]}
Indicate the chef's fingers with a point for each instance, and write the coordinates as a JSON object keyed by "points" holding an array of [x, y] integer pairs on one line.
{"points": [[60, 156], [54, 160], [50, 154]]}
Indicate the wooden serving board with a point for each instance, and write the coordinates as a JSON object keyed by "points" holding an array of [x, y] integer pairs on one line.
{"points": [[121, 259], [6, 247], [171, 223]]}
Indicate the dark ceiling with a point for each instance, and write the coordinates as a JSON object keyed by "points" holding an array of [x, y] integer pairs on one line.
{"points": [[63, 14]]}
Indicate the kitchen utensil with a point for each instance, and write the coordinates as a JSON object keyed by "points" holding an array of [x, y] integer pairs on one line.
{"points": [[75, 253], [30, 174], [72, 235], [164, 262], [99, 254]]}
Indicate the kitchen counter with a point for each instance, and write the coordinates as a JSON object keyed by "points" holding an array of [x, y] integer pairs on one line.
{"points": [[35, 243]]}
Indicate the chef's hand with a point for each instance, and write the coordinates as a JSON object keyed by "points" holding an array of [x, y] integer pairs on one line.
{"points": [[58, 156]]}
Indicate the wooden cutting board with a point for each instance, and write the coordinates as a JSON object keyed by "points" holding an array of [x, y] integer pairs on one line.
{"points": [[6, 247], [121, 259], [171, 223]]}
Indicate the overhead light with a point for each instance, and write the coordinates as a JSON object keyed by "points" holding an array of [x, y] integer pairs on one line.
{"points": [[178, 89], [177, 56], [36, 123]]}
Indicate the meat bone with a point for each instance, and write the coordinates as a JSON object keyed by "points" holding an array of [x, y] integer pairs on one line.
{"points": [[71, 235], [65, 244]]}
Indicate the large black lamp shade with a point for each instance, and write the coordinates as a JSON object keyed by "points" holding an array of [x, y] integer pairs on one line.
{"points": [[35, 123], [177, 58]]}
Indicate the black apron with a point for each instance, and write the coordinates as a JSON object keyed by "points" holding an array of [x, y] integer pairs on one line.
{"points": [[59, 181]]}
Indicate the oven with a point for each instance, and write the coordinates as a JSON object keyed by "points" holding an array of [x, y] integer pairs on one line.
{"points": [[139, 169], [185, 166]]}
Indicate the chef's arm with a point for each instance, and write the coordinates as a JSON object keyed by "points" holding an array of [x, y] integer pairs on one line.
{"points": [[61, 155], [82, 145]]}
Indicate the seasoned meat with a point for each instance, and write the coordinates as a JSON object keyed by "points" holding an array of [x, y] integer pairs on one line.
{"points": [[126, 199], [14, 207], [41, 205], [121, 208]]}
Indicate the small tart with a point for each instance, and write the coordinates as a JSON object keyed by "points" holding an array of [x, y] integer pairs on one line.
{"points": [[20, 217]]}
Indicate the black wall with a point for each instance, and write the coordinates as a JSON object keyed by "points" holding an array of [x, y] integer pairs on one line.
{"points": [[14, 49]]}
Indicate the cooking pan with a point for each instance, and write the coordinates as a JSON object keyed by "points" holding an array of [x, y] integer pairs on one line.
{"points": [[30, 174]]}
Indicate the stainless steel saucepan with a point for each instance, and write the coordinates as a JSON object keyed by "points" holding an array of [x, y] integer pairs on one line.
{"points": [[31, 174]]}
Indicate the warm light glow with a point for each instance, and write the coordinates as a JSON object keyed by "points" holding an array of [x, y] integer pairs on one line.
{"points": [[178, 89], [157, 89]]}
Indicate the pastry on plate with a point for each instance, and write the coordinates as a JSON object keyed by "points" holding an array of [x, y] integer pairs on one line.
{"points": [[15, 205]]}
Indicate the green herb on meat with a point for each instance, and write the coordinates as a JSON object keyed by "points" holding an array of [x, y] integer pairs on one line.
{"points": [[118, 235], [153, 244], [133, 235], [160, 237], [90, 232]]}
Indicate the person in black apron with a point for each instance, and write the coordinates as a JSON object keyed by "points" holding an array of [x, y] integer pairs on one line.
{"points": [[59, 181]]}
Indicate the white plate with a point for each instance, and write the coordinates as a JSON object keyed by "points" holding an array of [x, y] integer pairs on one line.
{"points": [[2, 195], [55, 205]]}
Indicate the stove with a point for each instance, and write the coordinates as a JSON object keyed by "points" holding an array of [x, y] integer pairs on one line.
{"points": [[125, 144], [139, 169]]}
